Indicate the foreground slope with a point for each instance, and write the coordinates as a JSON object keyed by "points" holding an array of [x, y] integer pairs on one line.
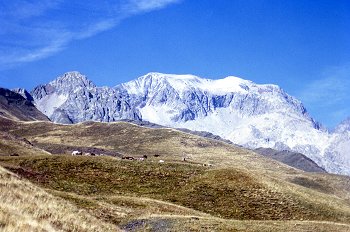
{"points": [[25, 207], [178, 197], [244, 112]]}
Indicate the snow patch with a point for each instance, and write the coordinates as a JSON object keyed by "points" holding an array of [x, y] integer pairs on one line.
{"points": [[49, 103]]}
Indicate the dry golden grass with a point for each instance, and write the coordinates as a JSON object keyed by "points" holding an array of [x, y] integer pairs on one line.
{"points": [[120, 209], [25, 207], [11, 145], [193, 223], [226, 192]]}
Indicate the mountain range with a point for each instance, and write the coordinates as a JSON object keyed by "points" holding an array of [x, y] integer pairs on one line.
{"points": [[246, 113]]}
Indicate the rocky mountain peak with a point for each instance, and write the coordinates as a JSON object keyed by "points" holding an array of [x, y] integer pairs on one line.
{"points": [[72, 80], [24, 93], [64, 85]]}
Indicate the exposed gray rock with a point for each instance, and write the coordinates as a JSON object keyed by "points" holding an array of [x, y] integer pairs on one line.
{"points": [[24, 94]]}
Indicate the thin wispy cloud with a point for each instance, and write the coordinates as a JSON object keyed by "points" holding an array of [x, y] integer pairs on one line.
{"points": [[332, 88], [22, 9], [137, 6], [330, 93], [33, 30]]}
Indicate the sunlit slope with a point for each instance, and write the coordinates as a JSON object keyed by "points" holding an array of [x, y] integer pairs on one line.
{"points": [[25, 207], [11, 145], [185, 195]]}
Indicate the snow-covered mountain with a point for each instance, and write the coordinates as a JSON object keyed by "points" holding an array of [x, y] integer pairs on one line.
{"points": [[246, 113], [338, 150]]}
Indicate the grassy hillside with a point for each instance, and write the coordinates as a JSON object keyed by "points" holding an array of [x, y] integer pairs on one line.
{"points": [[25, 207], [121, 138], [218, 187], [227, 193], [132, 193], [11, 145]]}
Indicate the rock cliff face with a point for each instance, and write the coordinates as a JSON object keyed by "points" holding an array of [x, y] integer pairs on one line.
{"points": [[24, 93], [239, 110]]}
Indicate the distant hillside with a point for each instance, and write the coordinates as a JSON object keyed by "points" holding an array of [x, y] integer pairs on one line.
{"points": [[14, 106], [293, 159], [290, 158], [12, 145]]}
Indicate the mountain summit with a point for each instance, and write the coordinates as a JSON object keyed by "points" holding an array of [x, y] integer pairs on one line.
{"points": [[72, 80], [248, 114]]}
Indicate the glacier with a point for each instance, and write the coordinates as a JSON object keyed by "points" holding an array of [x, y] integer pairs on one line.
{"points": [[248, 114]]}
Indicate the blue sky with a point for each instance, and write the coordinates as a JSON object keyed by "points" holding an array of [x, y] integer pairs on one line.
{"points": [[303, 46]]}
